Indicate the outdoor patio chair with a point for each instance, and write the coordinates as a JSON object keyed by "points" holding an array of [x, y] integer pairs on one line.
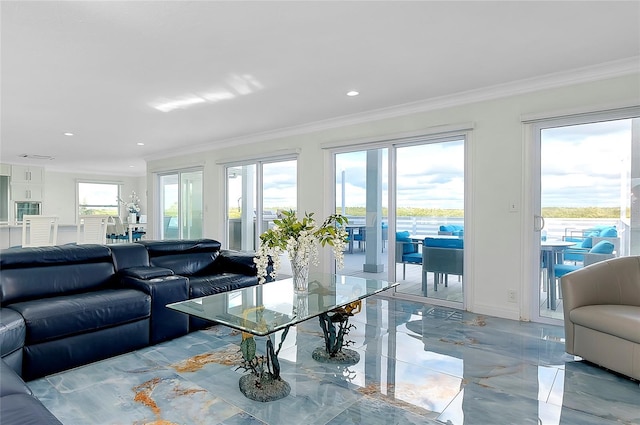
{"points": [[407, 251], [441, 257]]}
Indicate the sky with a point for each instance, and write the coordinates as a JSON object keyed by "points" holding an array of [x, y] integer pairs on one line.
{"points": [[581, 165], [585, 165]]}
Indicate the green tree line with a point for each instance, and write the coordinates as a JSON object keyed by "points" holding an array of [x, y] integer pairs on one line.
{"points": [[547, 212]]}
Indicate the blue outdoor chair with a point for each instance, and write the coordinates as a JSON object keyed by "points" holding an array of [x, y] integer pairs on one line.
{"points": [[603, 250], [407, 251], [442, 257]]}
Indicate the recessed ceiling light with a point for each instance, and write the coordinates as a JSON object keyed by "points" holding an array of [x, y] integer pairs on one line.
{"points": [[140, 144], [131, 166], [352, 93], [68, 134]]}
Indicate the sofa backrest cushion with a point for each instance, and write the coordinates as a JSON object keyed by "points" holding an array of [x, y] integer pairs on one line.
{"points": [[28, 273], [127, 255], [184, 257]]}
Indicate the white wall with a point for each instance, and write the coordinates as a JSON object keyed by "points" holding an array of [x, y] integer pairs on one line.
{"points": [[498, 252], [60, 193]]}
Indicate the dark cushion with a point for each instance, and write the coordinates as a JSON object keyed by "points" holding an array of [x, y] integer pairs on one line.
{"points": [[146, 272], [39, 282], [186, 264], [184, 257], [235, 262], [51, 255], [58, 317], [12, 331], [23, 409], [87, 347], [214, 284], [159, 248], [127, 255]]}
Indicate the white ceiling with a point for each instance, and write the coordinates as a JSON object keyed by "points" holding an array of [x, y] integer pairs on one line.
{"points": [[256, 69]]}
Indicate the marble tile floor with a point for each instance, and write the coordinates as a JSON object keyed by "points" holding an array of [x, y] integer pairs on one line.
{"points": [[419, 364]]}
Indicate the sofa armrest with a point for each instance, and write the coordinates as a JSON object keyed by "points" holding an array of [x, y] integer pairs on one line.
{"points": [[146, 273], [165, 323]]}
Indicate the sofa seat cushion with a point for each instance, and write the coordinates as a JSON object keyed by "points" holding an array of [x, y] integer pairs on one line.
{"points": [[58, 317], [200, 286], [619, 320], [23, 409], [12, 331]]}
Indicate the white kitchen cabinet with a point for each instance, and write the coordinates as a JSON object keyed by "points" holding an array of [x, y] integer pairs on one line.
{"points": [[27, 174], [26, 192]]}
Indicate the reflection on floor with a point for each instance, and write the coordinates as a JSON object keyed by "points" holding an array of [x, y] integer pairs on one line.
{"points": [[418, 365]]}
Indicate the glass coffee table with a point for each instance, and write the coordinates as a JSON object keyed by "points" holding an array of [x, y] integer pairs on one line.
{"points": [[262, 310]]}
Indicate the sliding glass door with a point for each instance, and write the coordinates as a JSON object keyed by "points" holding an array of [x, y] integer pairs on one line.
{"points": [[587, 205], [420, 245], [429, 200], [260, 189], [181, 203]]}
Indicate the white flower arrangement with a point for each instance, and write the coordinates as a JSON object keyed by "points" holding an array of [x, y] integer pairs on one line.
{"points": [[300, 238], [133, 206]]}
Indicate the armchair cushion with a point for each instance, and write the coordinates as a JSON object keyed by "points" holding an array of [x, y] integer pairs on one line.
{"points": [[413, 257], [609, 232], [586, 243], [602, 247], [444, 242], [407, 246]]}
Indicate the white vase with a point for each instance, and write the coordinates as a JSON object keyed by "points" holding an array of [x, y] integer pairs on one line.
{"points": [[132, 217], [300, 270]]}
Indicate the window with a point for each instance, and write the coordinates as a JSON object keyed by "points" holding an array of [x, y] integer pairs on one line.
{"points": [[98, 198]]}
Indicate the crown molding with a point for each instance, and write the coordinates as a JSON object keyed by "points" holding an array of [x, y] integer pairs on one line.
{"points": [[598, 72]]}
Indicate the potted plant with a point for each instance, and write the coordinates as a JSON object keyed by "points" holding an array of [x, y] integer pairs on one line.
{"points": [[300, 239]]}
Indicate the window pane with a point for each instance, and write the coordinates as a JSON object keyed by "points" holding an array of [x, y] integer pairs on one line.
{"points": [[98, 198]]}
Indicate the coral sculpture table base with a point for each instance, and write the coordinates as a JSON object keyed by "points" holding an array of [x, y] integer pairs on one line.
{"points": [[344, 357], [335, 327], [266, 389]]}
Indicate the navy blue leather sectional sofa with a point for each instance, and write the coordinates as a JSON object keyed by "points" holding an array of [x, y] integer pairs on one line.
{"points": [[66, 306]]}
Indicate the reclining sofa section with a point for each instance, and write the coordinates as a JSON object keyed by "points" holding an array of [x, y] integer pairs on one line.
{"points": [[70, 305]]}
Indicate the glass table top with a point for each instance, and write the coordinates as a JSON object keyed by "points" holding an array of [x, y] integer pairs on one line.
{"points": [[264, 309]]}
